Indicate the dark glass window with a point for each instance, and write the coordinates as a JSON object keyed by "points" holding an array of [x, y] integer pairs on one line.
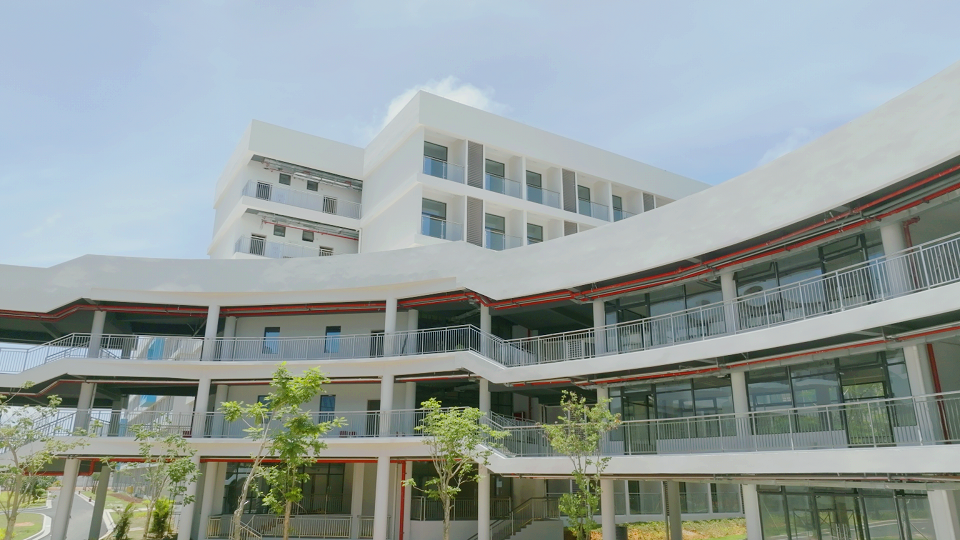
{"points": [[534, 179], [617, 202], [583, 193], [534, 233], [495, 168], [494, 223], [279, 230], [435, 209], [285, 179], [271, 342], [307, 236], [435, 151], [332, 342], [313, 186]]}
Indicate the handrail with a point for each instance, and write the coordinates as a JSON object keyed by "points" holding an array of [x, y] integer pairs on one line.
{"points": [[302, 199], [543, 196], [277, 250], [443, 169]]}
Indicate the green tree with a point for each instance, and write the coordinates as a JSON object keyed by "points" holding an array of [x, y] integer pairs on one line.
{"points": [[32, 437], [458, 441], [578, 434], [282, 429], [168, 467]]}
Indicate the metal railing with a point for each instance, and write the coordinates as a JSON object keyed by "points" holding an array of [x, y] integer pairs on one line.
{"points": [[353, 424], [440, 228], [221, 527], [527, 512], [426, 509], [543, 196], [499, 241], [366, 526], [499, 184], [619, 213], [257, 526], [442, 169], [302, 199], [593, 209], [256, 245]]}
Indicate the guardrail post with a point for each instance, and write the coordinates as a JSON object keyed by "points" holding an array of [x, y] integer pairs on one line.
{"points": [[96, 333]]}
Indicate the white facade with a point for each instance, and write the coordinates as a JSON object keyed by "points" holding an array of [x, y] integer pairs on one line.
{"points": [[784, 346]]}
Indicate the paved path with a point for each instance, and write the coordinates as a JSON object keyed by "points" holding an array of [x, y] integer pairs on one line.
{"points": [[80, 515]]}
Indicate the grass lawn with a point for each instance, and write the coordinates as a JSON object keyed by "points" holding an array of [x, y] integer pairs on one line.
{"points": [[715, 529], [5, 496], [27, 525], [114, 499]]}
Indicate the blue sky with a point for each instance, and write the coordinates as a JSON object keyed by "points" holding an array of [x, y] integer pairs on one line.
{"points": [[116, 118]]}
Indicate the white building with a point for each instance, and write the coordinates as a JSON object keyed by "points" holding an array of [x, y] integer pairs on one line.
{"points": [[783, 346]]}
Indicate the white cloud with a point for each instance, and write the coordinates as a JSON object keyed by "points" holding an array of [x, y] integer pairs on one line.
{"points": [[797, 138], [449, 87]]}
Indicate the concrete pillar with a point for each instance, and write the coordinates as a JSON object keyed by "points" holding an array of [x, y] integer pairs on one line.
{"points": [[186, 514], [891, 235], [485, 319], [99, 502], [229, 332], [407, 500], [71, 468], [211, 474], [96, 333], [390, 327], [603, 393], [413, 319], [741, 403], [918, 370], [483, 504], [728, 286], [217, 423], [674, 519], [899, 277], [410, 403], [608, 509], [751, 511], [356, 499], [200, 408], [381, 505], [943, 510], [484, 396], [210, 333], [88, 392], [116, 413], [386, 405], [599, 321]]}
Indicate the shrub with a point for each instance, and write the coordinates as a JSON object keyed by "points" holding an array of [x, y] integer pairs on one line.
{"points": [[160, 524], [121, 530]]}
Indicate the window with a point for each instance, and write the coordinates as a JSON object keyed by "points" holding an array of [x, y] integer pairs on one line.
{"points": [[495, 168], [325, 251], [494, 223], [328, 404], [257, 244], [435, 209], [618, 202], [271, 340], [583, 193], [331, 343], [279, 230], [435, 151], [307, 236], [534, 233], [434, 217], [330, 205], [501, 403], [285, 179], [495, 227], [534, 179], [312, 186]]}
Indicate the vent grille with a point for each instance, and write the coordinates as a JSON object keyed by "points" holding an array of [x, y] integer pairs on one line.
{"points": [[475, 221], [474, 164], [648, 202], [569, 191], [569, 228]]}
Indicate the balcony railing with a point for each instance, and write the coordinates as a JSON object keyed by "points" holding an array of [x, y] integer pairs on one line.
{"points": [[619, 214], [543, 196], [498, 241], [301, 526], [440, 228], [302, 199], [592, 209], [442, 169], [255, 245], [425, 509], [499, 184]]}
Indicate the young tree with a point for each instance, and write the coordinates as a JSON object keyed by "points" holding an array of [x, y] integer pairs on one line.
{"points": [[284, 430], [458, 441], [168, 468], [578, 434], [32, 436]]}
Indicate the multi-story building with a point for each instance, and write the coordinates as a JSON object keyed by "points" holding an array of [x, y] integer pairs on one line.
{"points": [[783, 346]]}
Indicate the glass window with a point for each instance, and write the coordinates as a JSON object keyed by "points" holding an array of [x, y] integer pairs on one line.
{"points": [[307, 236], [617, 202], [435, 209], [881, 517], [675, 400], [583, 193], [279, 230], [271, 342], [494, 223], [313, 186], [331, 343], [773, 517], [495, 168], [917, 511], [285, 179], [328, 404], [435, 151], [534, 233], [534, 179], [769, 389]]}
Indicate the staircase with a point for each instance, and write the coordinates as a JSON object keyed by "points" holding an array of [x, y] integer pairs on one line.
{"points": [[528, 512]]}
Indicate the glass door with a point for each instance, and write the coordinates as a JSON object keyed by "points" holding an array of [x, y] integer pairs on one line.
{"points": [[639, 438]]}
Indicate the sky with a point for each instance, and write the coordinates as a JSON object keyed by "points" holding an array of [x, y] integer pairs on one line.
{"points": [[117, 117]]}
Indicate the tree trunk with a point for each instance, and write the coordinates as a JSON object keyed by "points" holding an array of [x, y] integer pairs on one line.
{"points": [[13, 508], [286, 521], [446, 518], [238, 513], [146, 526]]}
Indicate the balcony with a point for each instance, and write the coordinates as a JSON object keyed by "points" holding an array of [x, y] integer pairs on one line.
{"points": [[442, 169], [440, 228], [302, 199], [255, 245], [543, 196], [619, 214], [592, 209], [498, 241], [499, 184]]}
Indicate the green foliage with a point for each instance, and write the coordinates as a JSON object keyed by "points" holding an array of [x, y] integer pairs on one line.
{"points": [[121, 530], [168, 466], [283, 430], [578, 434], [457, 439], [162, 513], [31, 438]]}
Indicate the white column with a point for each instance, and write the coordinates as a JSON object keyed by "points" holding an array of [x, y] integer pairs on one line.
{"points": [[413, 319], [741, 403], [751, 511], [84, 404], [626, 499], [58, 530], [484, 396], [918, 370], [608, 509], [211, 473], [229, 331], [386, 405], [390, 327], [410, 395], [96, 333], [728, 287], [603, 393], [483, 504], [891, 235], [899, 277], [674, 519], [356, 499], [186, 514], [222, 392], [381, 505], [96, 520], [599, 320], [407, 501], [943, 510], [200, 408], [210, 333], [486, 322]]}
